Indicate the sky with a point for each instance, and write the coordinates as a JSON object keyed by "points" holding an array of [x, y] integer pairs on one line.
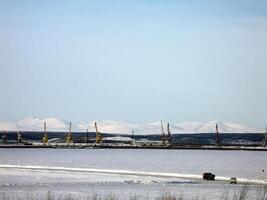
{"points": [[136, 61]]}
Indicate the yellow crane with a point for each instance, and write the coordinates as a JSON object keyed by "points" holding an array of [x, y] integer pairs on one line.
{"points": [[69, 136], [98, 139], [45, 137]]}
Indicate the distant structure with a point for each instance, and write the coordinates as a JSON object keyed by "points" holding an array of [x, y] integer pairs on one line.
{"points": [[169, 139], [45, 137], [132, 134], [4, 137], [69, 138], [265, 138], [163, 135], [19, 136], [133, 141], [87, 136], [218, 139], [166, 139], [98, 139]]}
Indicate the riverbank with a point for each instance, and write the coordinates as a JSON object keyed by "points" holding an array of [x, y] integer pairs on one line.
{"points": [[126, 146]]}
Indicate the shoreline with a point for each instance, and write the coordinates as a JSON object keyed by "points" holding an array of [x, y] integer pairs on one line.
{"points": [[108, 146]]}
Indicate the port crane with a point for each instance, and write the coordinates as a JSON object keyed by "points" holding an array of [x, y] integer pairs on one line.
{"points": [[218, 138], [98, 139], [45, 137], [69, 138], [169, 134], [166, 139]]}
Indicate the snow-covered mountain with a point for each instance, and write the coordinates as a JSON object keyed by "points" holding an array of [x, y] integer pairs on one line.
{"points": [[121, 127]]}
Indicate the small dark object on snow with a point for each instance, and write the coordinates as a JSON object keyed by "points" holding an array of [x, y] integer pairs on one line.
{"points": [[233, 180], [209, 176]]}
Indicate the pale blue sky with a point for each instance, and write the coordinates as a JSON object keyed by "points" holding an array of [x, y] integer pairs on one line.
{"points": [[136, 61]]}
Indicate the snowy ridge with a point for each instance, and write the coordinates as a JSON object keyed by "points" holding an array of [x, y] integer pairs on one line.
{"points": [[121, 127]]}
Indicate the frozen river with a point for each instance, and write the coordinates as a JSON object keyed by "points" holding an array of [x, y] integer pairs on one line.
{"points": [[126, 173]]}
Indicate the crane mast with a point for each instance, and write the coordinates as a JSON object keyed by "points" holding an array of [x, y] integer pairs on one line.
{"points": [[69, 136], [98, 135], [45, 137]]}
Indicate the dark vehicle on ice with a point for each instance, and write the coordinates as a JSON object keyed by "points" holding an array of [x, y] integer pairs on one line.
{"points": [[209, 176]]}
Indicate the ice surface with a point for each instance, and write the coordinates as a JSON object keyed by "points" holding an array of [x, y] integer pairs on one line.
{"points": [[83, 172]]}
